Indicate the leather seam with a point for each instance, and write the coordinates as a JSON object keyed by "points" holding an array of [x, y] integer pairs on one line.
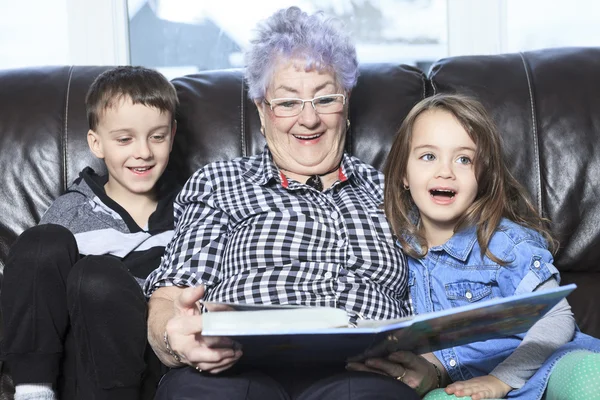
{"points": [[535, 135], [432, 82], [65, 138]]}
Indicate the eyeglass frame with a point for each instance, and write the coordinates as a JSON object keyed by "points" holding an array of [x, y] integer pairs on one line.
{"points": [[311, 101]]}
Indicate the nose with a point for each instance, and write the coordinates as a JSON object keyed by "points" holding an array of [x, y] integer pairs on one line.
{"points": [[309, 117], [445, 170], [143, 150]]}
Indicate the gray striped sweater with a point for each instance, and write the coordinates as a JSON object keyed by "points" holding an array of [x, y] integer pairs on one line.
{"points": [[102, 227]]}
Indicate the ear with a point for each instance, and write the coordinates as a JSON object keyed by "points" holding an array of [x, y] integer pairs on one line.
{"points": [[94, 144], [173, 132], [405, 182], [261, 111]]}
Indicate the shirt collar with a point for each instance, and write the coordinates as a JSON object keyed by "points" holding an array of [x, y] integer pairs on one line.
{"points": [[460, 244]]}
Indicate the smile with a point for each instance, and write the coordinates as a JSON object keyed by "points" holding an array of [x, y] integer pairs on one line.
{"points": [[140, 170], [312, 137], [442, 193]]}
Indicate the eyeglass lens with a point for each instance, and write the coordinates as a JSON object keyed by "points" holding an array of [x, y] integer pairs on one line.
{"points": [[322, 105]]}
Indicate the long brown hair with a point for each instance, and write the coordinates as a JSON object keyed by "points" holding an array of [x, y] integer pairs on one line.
{"points": [[499, 194]]}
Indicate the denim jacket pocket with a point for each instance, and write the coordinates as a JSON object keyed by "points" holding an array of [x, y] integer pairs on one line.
{"points": [[466, 292]]}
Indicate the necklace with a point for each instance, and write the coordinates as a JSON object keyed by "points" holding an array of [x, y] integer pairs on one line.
{"points": [[315, 182]]}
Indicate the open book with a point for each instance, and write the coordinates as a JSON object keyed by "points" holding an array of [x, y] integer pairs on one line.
{"points": [[291, 334]]}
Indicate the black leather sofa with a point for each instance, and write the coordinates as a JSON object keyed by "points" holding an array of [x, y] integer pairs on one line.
{"points": [[546, 103]]}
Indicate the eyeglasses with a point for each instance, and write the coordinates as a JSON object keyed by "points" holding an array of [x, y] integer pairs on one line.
{"points": [[290, 107]]}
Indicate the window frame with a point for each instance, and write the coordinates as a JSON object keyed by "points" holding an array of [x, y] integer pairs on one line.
{"points": [[98, 32]]}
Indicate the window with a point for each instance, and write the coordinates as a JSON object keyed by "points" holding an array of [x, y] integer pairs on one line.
{"points": [[535, 24], [184, 36]]}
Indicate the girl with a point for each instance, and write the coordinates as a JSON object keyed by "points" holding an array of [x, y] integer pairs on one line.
{"points": [[471, 234]]}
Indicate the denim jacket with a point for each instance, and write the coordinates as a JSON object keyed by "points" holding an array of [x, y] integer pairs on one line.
{"points": [[455, 274]]}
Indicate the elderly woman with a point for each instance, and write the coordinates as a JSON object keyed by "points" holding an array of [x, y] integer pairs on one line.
{"points": [[298, 224]]}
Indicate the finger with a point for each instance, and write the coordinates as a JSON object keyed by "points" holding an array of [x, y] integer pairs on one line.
{"points": [[206, 355], [453, 387], [216, 367], [215, 342], [389, 368], [403, 357], [189, 296], [355, 366], [225, 365]]}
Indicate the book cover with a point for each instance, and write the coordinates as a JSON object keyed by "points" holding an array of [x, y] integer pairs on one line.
{"points": [[421, 333]]}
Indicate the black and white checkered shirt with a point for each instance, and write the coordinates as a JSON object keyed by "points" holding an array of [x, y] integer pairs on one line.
{"points": [[251, 235]]}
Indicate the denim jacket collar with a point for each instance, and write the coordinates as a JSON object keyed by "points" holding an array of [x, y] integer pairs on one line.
{"points": [[460, 244]]}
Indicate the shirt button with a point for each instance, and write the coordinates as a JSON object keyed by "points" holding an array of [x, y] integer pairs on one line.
{"points": [[469, 295], [334, 215], [341, 243], [327, 275], [452, 363], [536, 263]]}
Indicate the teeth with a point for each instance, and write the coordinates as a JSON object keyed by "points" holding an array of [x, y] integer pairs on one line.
{"points": [[308, 137], [452, 193], [141, 169]]}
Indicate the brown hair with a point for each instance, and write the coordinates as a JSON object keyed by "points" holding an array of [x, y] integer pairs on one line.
{"points": [[142, 85], [499, 194]]}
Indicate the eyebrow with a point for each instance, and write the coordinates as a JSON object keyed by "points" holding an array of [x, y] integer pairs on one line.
{"points": [[430, 146], [129, 130], [292, 90]]}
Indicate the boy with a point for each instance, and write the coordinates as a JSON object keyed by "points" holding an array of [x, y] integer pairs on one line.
{"points": [[73, 308]]}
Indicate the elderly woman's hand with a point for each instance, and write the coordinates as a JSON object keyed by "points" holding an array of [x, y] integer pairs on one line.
{"points": [[183, 340], [414, 370]]}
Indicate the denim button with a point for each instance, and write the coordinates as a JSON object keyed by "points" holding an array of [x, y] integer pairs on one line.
{"points": [[536, 264], [452, 363], [469, 295]]}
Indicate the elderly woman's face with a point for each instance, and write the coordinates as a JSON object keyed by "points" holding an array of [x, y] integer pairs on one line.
{"points": [[310, 142]]}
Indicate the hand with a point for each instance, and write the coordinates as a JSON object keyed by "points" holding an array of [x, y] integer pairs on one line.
{"points": [[416, 371], [482, 387], [184, 331]]}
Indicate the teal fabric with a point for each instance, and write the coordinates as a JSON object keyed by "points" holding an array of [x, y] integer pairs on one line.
{"points": [[439, 394], [576, 376]]}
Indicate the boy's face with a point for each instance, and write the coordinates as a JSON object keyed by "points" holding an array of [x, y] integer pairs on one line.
{"points": [[135, 141]]}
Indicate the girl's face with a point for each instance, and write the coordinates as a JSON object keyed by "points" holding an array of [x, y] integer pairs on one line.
{"points": [[440, 173]]}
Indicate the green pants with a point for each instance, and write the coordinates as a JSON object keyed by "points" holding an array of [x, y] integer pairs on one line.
{"points": [[575, 377]]}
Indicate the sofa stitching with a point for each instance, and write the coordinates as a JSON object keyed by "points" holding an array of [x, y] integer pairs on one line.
{"points": [[64, 137], [424, 82], [242, 130], [535, 135], [432, 82]]}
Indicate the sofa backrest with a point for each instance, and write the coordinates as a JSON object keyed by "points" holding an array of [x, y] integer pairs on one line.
{"points": [[544, 102]]}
